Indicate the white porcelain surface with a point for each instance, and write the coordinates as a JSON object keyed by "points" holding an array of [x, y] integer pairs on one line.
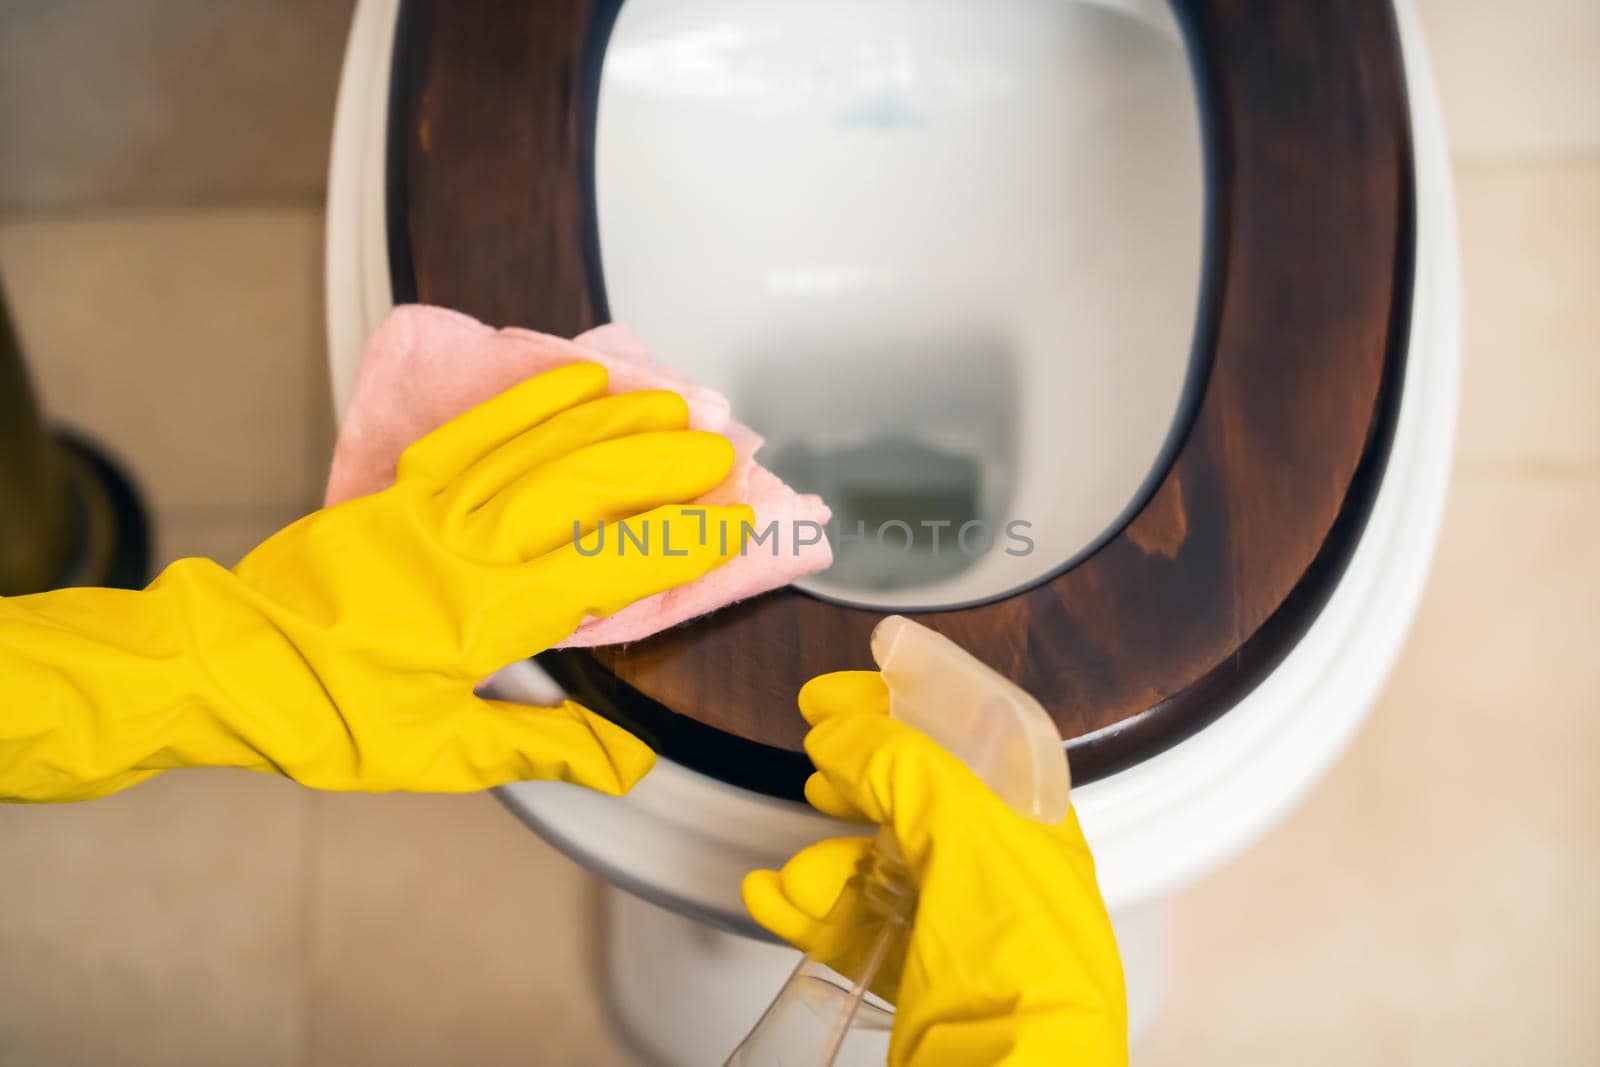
{"points": [[972, 225]]}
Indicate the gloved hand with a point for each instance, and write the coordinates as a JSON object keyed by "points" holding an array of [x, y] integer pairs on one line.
{"points": [[1010, 959], [343, 652]]}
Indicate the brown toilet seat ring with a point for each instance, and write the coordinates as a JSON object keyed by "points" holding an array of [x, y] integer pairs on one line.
{"points": [[1217, 574]]}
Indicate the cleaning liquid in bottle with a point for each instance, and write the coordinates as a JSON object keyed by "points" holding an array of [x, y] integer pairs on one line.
{"points": [[821, 1018]]}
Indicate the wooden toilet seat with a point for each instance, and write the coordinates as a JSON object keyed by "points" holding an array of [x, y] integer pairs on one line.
{"points": [[1299, 346]]}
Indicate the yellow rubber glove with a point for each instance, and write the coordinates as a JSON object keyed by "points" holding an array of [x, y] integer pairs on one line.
{"points": [[1011, 958], [343, 652]]}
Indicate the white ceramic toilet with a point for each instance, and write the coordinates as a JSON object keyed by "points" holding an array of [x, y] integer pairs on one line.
{"points": [[975, 261]]}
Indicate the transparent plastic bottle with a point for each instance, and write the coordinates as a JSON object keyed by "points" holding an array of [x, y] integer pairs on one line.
{"points": [[821, 1018]]}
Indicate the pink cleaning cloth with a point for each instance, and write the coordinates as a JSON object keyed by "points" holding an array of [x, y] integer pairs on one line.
{"points": [[426, 365]]}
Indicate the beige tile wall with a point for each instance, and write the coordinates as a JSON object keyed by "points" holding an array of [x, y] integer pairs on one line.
{"points": [[133, 102], [190, 341], [1435, 901], [1432, 903], [1517, 80]]}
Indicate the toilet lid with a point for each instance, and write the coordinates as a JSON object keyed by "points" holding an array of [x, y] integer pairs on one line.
{"points": [[1163, 627]]}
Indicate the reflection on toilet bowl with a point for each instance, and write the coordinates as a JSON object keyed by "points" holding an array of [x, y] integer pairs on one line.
{"points": [[955, 247], [916, 455]]}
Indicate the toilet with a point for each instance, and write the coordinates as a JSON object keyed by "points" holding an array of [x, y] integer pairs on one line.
{"points": [[1122, 337]]}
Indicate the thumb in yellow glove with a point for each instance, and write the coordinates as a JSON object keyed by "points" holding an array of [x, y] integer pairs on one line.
{"points": [[343, 652], [1010, 959]]}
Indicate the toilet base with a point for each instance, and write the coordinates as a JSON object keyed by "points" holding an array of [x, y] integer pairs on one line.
{"points": [[682, 994]]}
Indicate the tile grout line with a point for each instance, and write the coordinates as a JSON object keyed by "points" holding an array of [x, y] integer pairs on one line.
{"points": [[308, 913], [1538, 470], [15, 214], [1517, 161]]}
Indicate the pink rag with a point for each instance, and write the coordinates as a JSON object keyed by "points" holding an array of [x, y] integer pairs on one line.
{"points": [[426, 365]]}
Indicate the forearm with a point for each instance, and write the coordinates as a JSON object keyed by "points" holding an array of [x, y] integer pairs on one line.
{"points": [[105, 688]]}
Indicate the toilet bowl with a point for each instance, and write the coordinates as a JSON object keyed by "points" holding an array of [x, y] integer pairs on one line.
{"points": [[1158, 305]]}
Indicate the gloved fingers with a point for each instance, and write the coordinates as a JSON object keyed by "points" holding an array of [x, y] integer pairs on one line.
{"points": [[448, 450], [894, 775], [565, 743], [597, 487], [609, 417], [595, 578], [800, 902], [821, 794], [829, 695], [815, 903], [843, 693]]}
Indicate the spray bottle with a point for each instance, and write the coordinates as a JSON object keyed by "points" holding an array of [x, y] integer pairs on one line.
{"points": [[821, 1018]]}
